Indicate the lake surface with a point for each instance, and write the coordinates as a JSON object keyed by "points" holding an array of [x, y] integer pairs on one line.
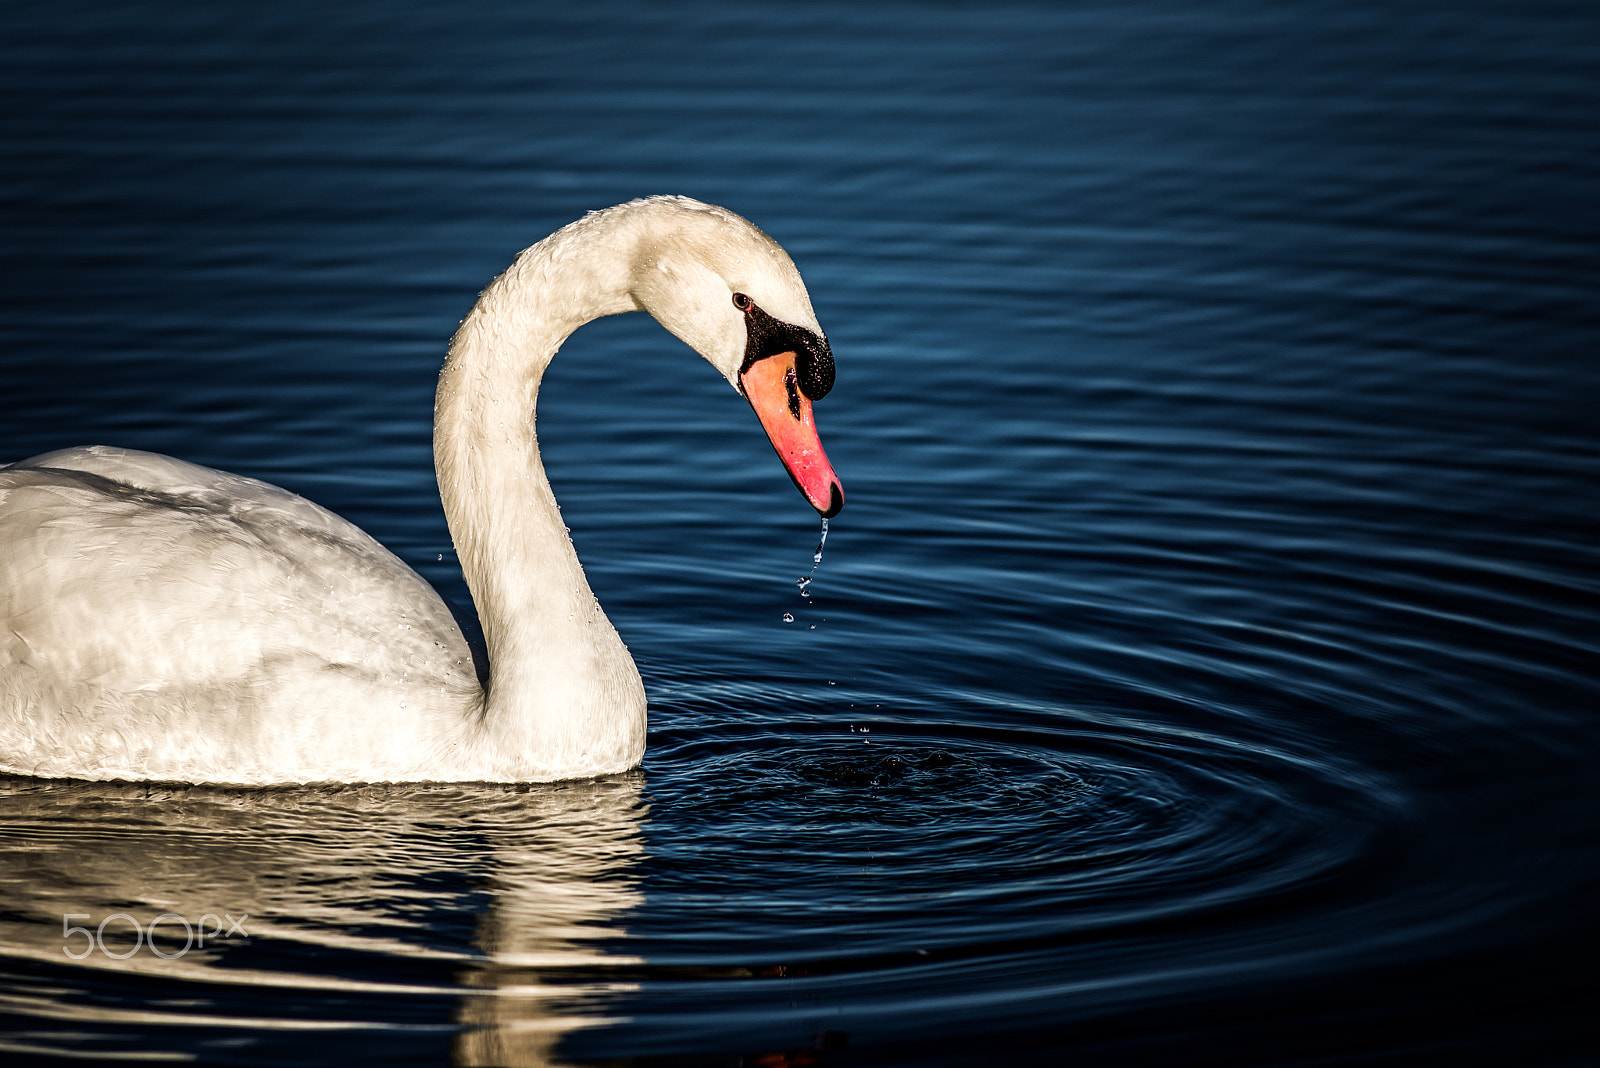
{"points": [[1203, 669]]}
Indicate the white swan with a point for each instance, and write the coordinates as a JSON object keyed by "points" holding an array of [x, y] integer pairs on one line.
{"points": [[160, 620]]}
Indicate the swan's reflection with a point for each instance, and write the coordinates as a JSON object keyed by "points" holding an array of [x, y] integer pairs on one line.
{"points": [[356, 898]]}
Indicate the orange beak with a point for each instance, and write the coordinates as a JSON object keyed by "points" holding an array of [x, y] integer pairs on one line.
{"points": [[769, 385]]}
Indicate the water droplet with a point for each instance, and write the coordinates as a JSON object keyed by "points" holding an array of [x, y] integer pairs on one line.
{"points": [[441, 556], [804, 581], [788, 617]]}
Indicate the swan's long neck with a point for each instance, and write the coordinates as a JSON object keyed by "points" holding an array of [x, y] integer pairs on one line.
{"points": [[563, 694]]}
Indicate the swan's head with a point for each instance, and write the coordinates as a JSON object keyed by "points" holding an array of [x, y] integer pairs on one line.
{"points": [[733, 295]]}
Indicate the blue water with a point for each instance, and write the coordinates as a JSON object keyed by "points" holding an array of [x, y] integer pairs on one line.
{"points": [[1203, 669]]}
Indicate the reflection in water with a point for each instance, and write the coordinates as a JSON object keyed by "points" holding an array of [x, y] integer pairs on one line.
{"points": [[557, 891], [485, 898]]}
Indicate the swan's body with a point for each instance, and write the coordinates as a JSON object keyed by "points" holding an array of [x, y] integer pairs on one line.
{"points": [[161, 620]]}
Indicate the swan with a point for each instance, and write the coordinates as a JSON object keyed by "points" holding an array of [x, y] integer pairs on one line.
{"points": [[161, 620]]}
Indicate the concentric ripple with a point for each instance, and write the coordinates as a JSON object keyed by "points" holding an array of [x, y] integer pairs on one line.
{"points": [[951, 839]]}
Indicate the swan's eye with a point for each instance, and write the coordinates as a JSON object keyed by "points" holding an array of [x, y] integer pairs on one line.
{"points": [[741, 302]]}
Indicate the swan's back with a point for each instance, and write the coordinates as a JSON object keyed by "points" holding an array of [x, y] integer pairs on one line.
{"points": [[159, 619]]}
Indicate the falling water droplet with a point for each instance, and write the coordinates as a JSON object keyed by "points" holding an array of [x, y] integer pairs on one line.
{"points": [[788, 617], [804, 581]]}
